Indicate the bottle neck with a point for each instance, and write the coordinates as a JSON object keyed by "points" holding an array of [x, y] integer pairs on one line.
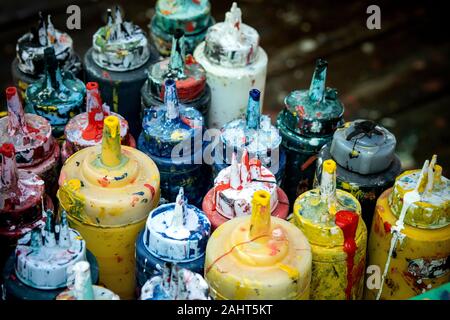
{"points": [[16, 115], [8, 170]]}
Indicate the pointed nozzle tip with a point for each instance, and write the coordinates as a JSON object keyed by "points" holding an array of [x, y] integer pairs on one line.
{"points": [[261, 197], [169, 83], [11, 92], [255, 94], [112, 123], [329, 166], [178, 33], [321, 63], [7, 150], [92, 85]]}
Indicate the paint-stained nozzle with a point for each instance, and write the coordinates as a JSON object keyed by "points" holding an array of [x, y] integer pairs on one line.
{"points": [[317, 87]]}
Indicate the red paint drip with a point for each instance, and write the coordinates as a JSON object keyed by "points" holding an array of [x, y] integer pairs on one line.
{"points": [[387, 227], [308, 162], [348, 222], [217, 189], [190, 26]]}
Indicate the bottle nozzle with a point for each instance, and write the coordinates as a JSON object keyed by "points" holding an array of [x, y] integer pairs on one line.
{"points": [[111, 155], [260, 217]]}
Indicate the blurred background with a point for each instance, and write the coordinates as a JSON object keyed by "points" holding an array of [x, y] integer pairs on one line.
{"points": [[397, 75]]}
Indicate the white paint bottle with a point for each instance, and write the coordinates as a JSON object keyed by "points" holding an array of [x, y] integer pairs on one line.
{"points": [[234, 64]]}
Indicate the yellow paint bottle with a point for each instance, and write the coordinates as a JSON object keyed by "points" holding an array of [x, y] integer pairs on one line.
{"points": [[108, 191], [331, 220], [410, 236], [258, 257]]}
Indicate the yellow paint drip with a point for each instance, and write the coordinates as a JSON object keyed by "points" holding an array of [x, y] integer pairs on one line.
{"points": [[257, 257]]}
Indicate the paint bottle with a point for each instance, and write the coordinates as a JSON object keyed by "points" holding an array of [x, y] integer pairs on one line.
{"points": [[192, 16], [172, 136], [258, 257], [175, 232], [175, 283], [234, 189], [86, 129], [234, 64], [307, 122], [117, 61], [108, 190], [28, 65], [331, 220], [255, 134], [22, 197], [37, 151], [366, 162], [440, 293], [37, 270], [58, 96], [80, 285], [410, 236], [189, 76]]}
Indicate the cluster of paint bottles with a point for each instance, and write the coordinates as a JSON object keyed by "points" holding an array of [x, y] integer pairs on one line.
{"points": [[300, 210]]}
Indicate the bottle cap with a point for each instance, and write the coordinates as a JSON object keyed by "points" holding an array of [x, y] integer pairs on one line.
{"points": [[432, 211], [232, 43], [362, 146], [190, 77], [30, 48], [314, 112], [177, 232], [120, 45]]}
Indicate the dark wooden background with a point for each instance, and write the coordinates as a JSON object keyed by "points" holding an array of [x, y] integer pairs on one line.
{"points": [[397, 75]]}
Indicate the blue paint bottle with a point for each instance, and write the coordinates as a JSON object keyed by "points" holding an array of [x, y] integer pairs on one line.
{"points": [[172, 137], [255, 134], [175, 232]]}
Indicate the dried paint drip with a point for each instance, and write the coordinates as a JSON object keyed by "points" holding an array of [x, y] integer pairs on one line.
{"points": [[192, 16], [108, 190], [80, 285], [256, 134], [419, 200], [31, 135], [235, 186], [86, 129], [30, 48], [20, 196], [58, 96], [329, 217], [235, 64], [348, 222], [258, 257], [120, 45], [175, 283], [190, 77], [308, 122], [44, 254]]}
